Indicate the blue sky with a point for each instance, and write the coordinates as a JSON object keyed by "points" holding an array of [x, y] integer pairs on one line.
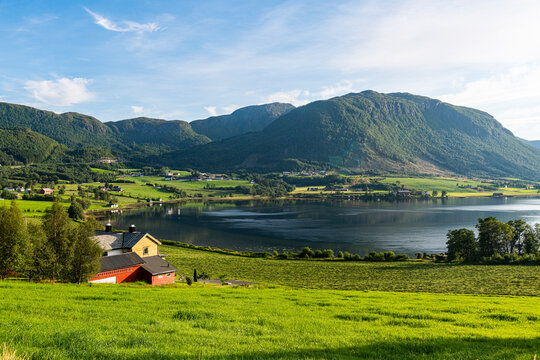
{"points": [[192, 59]]}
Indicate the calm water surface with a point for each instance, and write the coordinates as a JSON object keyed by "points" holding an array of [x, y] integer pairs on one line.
{"points": [[352, 226]]}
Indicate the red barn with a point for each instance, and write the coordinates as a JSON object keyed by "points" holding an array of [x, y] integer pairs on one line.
{"points": [[46, 191]]}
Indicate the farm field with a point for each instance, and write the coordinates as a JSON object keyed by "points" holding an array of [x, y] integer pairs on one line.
{"points": [[135, 321], [450, 185], [408, 276]]}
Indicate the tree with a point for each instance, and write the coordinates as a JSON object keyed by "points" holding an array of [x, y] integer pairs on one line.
{"points": [[306, 253], [516, 244], [86, 252], [531, 240], [461, 243], [493, 236], [434, 193], [76, 211], [443, 193], [41, 262], [13, 240], [57, 227]]}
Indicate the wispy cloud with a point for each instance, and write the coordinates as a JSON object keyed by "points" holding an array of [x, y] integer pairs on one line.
{"points": [[510, 96], [60, 92], [137, 109], [211, 110], [123, 26]]}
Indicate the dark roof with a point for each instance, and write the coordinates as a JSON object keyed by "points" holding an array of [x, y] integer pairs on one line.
{"points": [[115, 262], [131, 239], [155, 265], [119, 240]]}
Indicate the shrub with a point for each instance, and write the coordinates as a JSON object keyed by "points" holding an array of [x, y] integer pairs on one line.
{"points": [[189, 281], [401, 257]]}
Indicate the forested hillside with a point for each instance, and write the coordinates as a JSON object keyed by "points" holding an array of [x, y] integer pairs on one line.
{"points": [[372, 131], [244, 120], [21, 145], [71, 129], [154, 136]]}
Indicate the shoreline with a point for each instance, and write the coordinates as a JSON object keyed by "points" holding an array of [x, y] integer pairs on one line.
{"points": [[133, 206]]}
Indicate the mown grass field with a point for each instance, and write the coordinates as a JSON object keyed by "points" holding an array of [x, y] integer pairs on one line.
{"points": [[180, 322], [408, 276], [450, 185]]}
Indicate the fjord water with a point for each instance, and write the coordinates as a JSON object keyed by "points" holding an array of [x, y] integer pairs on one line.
{"points": [[354, 226]]}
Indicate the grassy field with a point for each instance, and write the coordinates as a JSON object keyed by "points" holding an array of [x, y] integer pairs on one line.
{"points": [[408, 276], [179, 322]]}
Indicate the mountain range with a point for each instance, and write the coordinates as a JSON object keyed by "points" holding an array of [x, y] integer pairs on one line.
{"points": [[367, 131]]}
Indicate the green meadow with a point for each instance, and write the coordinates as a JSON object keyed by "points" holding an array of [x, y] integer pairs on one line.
{"points": [[409, 276], [64, 321], [301, 309]]}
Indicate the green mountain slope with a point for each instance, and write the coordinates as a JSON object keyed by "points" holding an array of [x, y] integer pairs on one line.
{"points": [[244, 120], [156, 136], [372, 131], [22, 145], [71, 129]]}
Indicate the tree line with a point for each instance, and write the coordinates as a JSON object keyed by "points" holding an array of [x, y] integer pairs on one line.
{"points": [[55, 249], [514, 241]]}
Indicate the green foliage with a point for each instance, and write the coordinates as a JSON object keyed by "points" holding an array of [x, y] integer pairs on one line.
{"points": [[21, 145], [13, 240], [493, 236], [86, 253], [462, 244], [75, 211], [58, 227]]}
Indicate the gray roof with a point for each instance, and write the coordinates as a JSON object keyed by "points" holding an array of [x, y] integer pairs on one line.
{"points": [[110, 240], [115, 262], [155, 265]]}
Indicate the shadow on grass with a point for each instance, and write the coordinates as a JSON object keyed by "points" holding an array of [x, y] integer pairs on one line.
{"points": [[478, 348]]}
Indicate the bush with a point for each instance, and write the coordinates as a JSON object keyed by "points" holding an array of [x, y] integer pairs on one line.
{"points": [[189, 281], [401, 257]]}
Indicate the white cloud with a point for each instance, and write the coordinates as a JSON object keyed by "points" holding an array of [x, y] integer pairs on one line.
{"points": [[137, 109], [60, 92], [510, 96], [125, 25], [299, 97], [211, 110]]}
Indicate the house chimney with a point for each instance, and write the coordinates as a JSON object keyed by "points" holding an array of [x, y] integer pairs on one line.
{"points": [[132, 228], [108, 227]]}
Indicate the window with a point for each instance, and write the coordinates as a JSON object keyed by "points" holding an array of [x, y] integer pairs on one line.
{"points": [[160, 276], [145, 250], [169, 274]]}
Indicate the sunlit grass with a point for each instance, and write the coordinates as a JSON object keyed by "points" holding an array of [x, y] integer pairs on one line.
{"points": [[136, 322]]}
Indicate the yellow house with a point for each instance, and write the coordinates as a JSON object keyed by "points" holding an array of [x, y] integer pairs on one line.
{"points": [[143, 244]]}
